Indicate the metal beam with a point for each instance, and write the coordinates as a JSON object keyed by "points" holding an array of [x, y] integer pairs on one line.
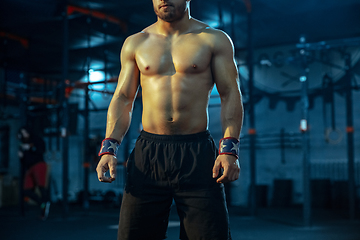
{"points": [[86, 156], [23, 41], [305, 135], [350, 137], [23, 120], [251, 111], [97, 14], [65, 116]]}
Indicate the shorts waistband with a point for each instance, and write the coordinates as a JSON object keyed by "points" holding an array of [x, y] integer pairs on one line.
{"points": [[175, 138]]}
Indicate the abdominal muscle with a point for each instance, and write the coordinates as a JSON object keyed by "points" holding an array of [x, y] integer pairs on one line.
{"points": [[175, 105]]}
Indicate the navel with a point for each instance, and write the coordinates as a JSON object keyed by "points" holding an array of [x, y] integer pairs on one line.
{"points": [[194, 66]]}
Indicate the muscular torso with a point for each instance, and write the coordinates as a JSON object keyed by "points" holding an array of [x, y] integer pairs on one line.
{"points": [[176, 81]]}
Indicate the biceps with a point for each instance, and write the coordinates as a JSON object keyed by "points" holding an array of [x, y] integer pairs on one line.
{"points": [[225, 74], [128, 81]]}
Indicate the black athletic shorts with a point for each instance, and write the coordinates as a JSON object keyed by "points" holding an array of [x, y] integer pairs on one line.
{"points": [[163, 168]]}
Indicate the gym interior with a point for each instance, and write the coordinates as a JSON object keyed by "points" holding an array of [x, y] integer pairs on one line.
{"points": [[299, 71]]}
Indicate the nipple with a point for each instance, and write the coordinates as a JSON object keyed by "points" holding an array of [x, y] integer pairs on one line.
{"points": [[147, 68], [194, 66]]}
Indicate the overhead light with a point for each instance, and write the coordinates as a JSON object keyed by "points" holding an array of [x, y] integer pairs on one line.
{"points": [[96, 75], [303, 78]]}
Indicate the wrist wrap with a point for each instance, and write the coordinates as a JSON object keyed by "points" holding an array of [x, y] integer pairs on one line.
{"points": [[109, 146], [229, 146]]}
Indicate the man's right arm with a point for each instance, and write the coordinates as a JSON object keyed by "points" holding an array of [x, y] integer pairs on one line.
{"points": [[121, 105], [120, 108]]}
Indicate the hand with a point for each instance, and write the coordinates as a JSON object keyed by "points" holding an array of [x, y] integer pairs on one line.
{"points": [[20, 154], [107, 162], [231, 167]]}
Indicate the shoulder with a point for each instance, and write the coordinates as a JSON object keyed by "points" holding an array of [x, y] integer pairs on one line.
{"points": [[131, 44], [205, 28], [135, 39], [220, 41], [217, 37]]}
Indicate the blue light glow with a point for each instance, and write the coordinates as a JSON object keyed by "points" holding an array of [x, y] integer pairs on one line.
{"points": [[96, 76]]}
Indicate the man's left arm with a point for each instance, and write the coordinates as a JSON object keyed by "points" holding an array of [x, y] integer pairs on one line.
{"points": [[226, 78]]}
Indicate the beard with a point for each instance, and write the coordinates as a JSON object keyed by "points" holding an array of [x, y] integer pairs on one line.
{"points": [[172, 14]]}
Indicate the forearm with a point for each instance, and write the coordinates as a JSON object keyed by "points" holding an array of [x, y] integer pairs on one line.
{"points": [[118, 122], [119, 117], [232, 114]]}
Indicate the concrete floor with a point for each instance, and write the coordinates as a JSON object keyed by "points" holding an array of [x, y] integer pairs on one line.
{"points": [[99, 222]]}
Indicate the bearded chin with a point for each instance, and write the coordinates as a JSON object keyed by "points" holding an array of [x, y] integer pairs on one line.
{"points": [[172, 16], [167, 17]]}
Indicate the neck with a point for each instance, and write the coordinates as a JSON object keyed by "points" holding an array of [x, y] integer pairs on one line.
{"points": [[176, 27]]}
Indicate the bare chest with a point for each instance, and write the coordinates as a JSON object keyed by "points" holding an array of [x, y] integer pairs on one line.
{"points": [[167, 57]]}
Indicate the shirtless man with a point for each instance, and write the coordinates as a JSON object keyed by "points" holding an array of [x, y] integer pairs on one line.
{"points": [[176, 61]]}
